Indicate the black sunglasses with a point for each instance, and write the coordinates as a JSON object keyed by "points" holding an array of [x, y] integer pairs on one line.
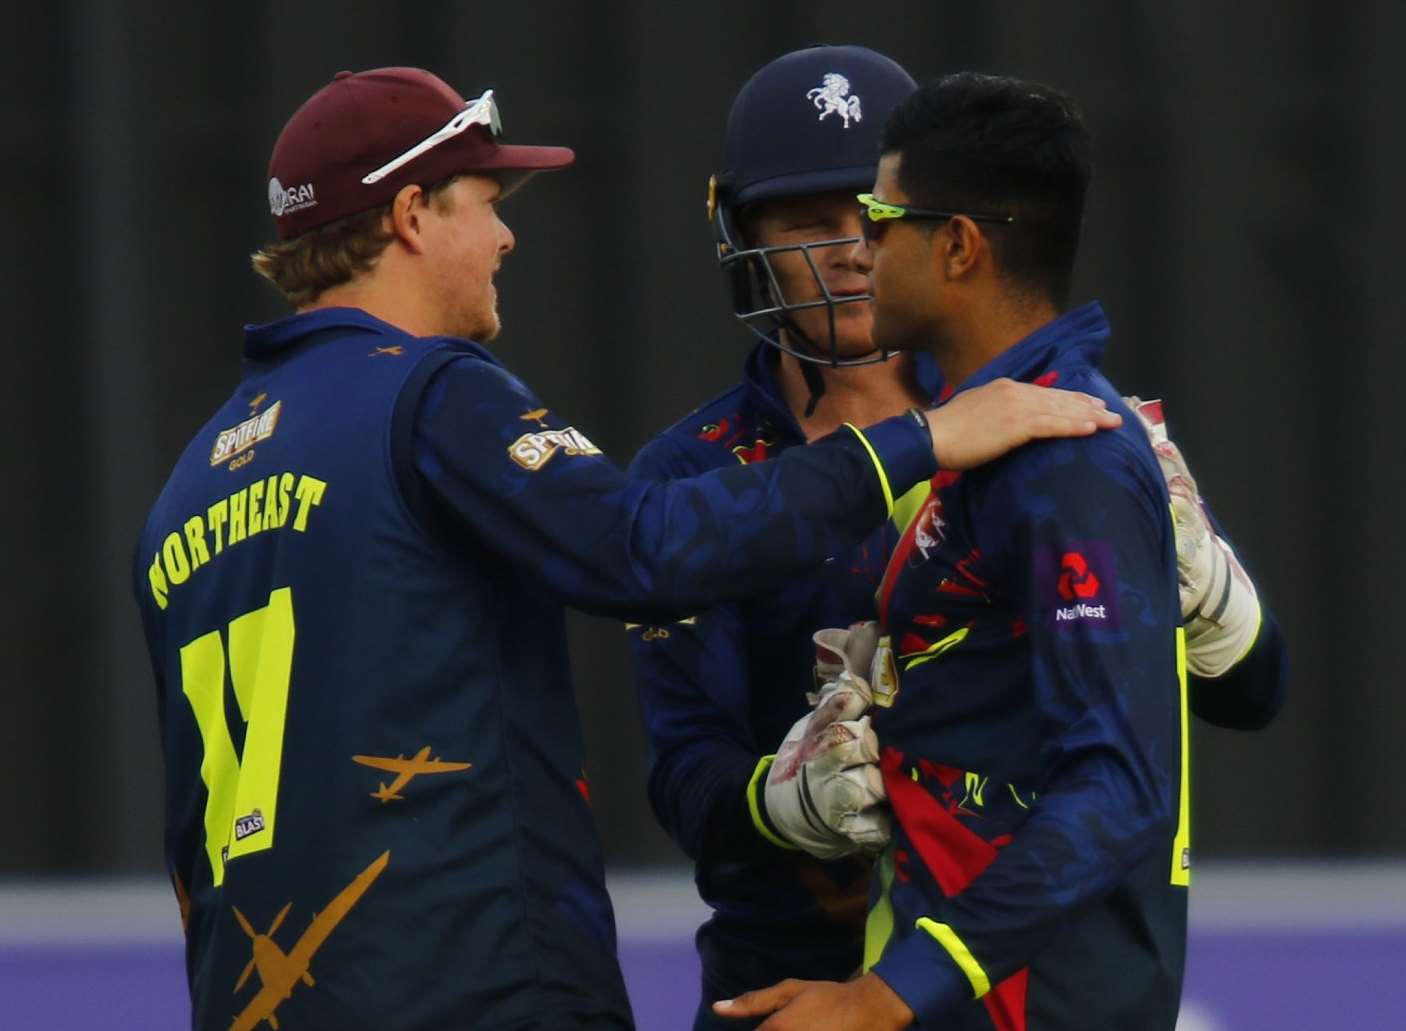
{"points": [[875, 216]]}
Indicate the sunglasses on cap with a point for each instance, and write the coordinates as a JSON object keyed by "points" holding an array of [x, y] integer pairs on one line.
{"points": [[876, 215], [483, 111]]}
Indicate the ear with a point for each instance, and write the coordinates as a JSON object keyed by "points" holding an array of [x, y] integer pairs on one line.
{"points": [[960, 245], [405, 221]]}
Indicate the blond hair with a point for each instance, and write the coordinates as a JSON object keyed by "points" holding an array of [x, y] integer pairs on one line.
{"points": [[305, 267]]}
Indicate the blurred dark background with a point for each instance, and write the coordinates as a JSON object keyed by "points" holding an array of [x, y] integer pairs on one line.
{"points": [[1241, 232]]}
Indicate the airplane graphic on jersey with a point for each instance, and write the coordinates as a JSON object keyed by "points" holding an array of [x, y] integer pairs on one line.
{"points": [[280, 972], [405, 770]]}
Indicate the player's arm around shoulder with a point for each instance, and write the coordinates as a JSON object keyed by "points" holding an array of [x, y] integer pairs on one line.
{"points": [[693, 680], [1071, 481]]}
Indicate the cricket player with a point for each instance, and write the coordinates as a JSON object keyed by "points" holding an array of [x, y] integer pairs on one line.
{"points": [[352, 587], [1034, 745], [721, 689]]}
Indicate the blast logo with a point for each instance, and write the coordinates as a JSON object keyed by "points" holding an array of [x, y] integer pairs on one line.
{"points": [[247, 825]]}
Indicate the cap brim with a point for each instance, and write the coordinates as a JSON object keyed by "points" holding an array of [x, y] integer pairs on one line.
{"points": [[512, 165], [513, 158]]}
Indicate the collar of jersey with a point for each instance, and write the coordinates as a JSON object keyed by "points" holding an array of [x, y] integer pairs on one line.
{"points": [[1080, 334], [268, 339]]}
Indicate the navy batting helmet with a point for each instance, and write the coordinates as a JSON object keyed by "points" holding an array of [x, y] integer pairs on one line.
{"points": [[808, 122]]}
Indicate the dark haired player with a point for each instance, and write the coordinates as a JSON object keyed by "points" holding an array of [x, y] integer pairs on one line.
{"points": [[721, 689]]}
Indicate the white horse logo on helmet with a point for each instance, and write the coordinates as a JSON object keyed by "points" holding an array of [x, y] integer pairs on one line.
{"points": [[830, 96]]}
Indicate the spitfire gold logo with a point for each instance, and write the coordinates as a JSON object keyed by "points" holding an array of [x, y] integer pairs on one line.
{"points": [[239, 438], [534, 450], [832, 97]]}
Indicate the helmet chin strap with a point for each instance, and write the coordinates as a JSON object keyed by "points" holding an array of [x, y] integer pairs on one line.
{"points": [[815, 383], [810, 370]]}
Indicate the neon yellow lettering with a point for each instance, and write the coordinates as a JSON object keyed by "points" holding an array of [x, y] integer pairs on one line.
{"points": [[260, 665], [203, 682], [256, 518], [195, 540], [217, 514], [239, 786], [285, 494], [237, 531], [174, 553], [271, 519], [159, 590], [309, 492]]}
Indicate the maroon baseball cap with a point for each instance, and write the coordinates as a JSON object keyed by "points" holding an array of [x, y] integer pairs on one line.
{"points": [[365, 135]]}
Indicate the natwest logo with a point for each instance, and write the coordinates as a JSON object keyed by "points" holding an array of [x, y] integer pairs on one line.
{"points": [[1076, 579], [1081, 611]]}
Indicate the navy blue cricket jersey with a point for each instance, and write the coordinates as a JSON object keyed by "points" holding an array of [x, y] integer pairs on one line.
{"points": [[1035, 750], [721, 689], [352, 587]]}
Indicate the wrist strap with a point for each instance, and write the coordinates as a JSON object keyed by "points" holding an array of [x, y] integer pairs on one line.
{"points": [[917, 415], [757, 807]]}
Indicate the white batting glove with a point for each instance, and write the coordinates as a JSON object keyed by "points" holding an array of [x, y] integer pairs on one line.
{"points": [[1219, 604], [824, 792], [859, 651]]}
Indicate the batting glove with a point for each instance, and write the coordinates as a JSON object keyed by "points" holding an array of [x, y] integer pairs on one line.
{"points": [[859, 651], [824, 792], [1219, 605]]}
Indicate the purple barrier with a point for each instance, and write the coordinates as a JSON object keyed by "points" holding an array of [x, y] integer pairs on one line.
{"points": [[1317, 980], [1274, 947], [72, 988], [1288, 980]]}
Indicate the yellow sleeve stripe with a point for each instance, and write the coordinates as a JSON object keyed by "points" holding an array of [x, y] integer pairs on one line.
{"points": [[961, 955], [879, 466], [759, 776]]}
